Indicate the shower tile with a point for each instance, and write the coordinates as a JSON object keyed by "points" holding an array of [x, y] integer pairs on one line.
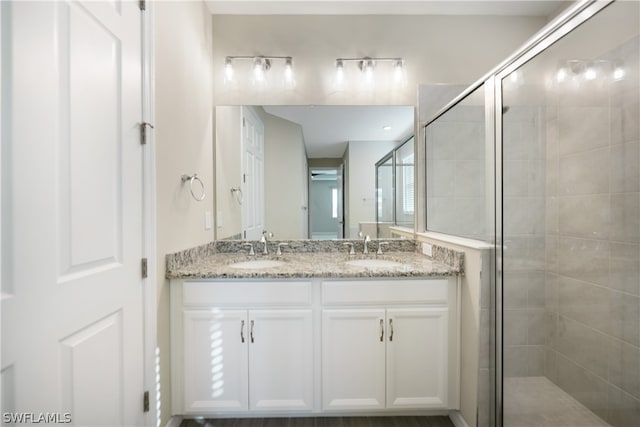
{"points": [[535, 361], [550, 364], [516, 325], [625, 317], [624, 367], [515, 289], [471, 142], [515, 361], [442, 184], [583, 259], [535, 327], [551, 292], [584, 302], [630, 114], [536, 290], [582, 129], [524, 215], [625, 217], [484, 341], [551, 329], [624, 410], [624, 164], [584, 173], [584, 216], [470, 216], [551, 253], [469, 178], [624, 266], [515, 176], [583, 345], [537, 177], [444, 135], [552, 219], [582, 385]]}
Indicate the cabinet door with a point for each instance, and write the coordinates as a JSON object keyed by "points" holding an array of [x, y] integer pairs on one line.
{"points": [[280, 360], [353, 359], [417, 358], [215, 361]]}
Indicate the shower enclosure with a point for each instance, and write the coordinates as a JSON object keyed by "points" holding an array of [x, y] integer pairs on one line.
{"points": [[551, 176]]}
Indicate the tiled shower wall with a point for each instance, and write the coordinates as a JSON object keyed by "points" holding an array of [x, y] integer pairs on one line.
{"points": [[592, 284]]}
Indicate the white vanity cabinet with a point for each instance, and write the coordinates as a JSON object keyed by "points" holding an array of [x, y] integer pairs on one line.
{"points": [[232, 355], [393, 356], [253, 348]]}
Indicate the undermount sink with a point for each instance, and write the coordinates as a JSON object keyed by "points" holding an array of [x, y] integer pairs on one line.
{"points": [[258, 263], [373, 263]]}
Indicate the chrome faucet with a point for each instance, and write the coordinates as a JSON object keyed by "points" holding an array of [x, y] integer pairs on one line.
{"points": [[367, 239], [251, 251], [351, 251], [280, 245], [263, 240], [379, 252]]}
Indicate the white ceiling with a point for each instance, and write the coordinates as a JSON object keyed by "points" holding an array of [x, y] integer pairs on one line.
{"points": [[327, 129], [386, 7]]}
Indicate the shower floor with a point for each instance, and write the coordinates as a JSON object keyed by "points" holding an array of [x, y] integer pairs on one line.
{"points": [[537, 402]]}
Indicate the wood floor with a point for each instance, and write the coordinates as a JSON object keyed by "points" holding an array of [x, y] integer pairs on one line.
{"points": [[441, 421]]}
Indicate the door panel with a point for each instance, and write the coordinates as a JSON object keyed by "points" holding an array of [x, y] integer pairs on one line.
{"points": [[253, 171], [72, 192], [215, 344], [353, 359], [416, 358], [281, 360]]}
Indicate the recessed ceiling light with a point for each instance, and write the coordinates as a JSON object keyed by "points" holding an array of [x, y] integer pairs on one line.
{"points": [[386, 127]]}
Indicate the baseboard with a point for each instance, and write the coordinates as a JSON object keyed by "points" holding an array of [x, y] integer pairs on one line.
{"points": [[457, 419], [174, 421]]}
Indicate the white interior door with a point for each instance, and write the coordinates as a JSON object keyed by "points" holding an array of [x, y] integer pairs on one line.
{"points": [[253, 174], [72, 329]]}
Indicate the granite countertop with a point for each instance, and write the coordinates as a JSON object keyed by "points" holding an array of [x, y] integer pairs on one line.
{"points": [[310, 264]]}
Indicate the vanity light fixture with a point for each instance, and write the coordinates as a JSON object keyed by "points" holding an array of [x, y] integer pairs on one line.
{"points": [[367, 66], [387, 127], [260, 66]]}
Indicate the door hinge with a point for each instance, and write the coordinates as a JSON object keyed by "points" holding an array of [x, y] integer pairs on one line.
{"points": [[145, 402], [144, 267], [143, 132], [244, 234], [244, 178], [142, 4], [244, 123]]}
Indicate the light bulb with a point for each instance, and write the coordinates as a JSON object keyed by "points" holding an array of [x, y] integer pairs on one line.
{"points": [[368, 70], [618, 73], [398, 70], [228, 69], [288, 70], [258, 69], [590, 73], [561, 75], [514, 77], [339, 71]]}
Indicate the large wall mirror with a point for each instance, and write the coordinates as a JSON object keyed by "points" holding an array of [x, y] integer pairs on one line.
{"points": [[302, 172]]}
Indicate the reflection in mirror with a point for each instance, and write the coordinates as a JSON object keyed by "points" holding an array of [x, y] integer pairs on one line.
{"points": [[395, 189], [302, 172]]}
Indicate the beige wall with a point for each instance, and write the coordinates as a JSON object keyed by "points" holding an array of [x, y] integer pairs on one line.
{"points": [[183, 137], [442, 49], [285, 176]]}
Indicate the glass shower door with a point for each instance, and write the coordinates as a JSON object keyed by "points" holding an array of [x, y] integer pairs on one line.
{"points": [[571, 228]]}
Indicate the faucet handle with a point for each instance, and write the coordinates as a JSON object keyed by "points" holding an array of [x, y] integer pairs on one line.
{"points": [[351, 251], [379, 252], [280, 245], [251, 251]]}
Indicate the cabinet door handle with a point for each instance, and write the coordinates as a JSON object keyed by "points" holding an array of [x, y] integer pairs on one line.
{"points": [[242, 331], [251, 333], [390, 329], [381, 330]]}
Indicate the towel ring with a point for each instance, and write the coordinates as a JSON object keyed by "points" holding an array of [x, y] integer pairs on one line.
{"points": [[237, 192], [191, 179]]}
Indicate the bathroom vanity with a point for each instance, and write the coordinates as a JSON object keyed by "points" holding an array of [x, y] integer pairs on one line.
{"points": [[315, 333]]}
